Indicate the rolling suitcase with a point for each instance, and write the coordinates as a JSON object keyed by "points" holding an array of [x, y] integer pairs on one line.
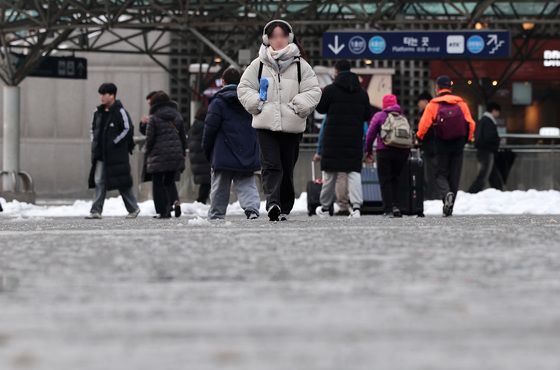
{"points": [[373, 202], [313, 192], [411, 186]]}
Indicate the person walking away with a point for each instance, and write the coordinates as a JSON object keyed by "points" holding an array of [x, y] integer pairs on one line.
{"points": [[111, 144], [453, 126], [347, 107], [230, 143], [390, 159], [166, 144], [487, 143], [280, 90], [427, 150], [200, 166]]}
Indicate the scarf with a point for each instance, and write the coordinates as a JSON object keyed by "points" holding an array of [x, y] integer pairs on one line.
{"points": [[280, 60]]}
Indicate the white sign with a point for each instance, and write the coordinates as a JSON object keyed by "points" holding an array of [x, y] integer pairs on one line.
{"points": [[551, 58], [455, 44]]}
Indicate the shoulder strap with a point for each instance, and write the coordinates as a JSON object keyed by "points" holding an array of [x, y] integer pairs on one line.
{"points": [[261, 65], [298, 63]]}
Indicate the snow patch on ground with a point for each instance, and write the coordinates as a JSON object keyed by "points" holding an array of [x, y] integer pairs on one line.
{"points": [[488, 202]]}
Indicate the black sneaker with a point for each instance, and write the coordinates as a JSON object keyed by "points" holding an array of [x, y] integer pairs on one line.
{"points": [[177, 209], [448, 203], [397, 213], [274, 213]]}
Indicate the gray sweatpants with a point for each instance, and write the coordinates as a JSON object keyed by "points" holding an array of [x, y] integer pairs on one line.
{"points": [[245, 187], [328, 194]]}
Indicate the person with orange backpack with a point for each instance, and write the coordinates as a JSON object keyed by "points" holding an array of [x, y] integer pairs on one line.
{"points": [[453, 127]]}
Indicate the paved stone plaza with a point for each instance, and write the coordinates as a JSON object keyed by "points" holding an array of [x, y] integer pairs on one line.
{"points": [[478, 292]]}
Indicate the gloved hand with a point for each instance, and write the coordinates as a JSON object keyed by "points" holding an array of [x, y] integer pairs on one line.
{"points": [[263, 93]]}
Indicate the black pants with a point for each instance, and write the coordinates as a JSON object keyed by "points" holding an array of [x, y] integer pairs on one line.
{"points": [[448, 172], [279, 154], [431, 191], [390, 164], [164, 192], [487, 172], [203, 193]]}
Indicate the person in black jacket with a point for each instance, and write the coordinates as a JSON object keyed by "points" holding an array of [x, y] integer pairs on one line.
{"points": [[347, 107], [111, 144], [427, 148], [487, 143], [200, 166], [166, 144], [230, 143]]}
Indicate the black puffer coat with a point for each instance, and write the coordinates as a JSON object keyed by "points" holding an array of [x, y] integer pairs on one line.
{"points": [[347, 107], [111, 143], [166, 141], [199, 164]]}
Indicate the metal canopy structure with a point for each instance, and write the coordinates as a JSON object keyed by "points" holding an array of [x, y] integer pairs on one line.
{"points": [[30, 29]]}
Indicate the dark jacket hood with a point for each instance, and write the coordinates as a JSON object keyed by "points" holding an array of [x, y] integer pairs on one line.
{"points": [[348, 81], [165, 111], [229, 94]]}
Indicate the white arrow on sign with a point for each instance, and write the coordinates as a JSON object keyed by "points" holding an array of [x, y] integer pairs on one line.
{"points": [[336, 48], [492, 39]]}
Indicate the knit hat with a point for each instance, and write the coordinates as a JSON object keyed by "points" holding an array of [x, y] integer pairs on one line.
{"points": [[389, 100]]}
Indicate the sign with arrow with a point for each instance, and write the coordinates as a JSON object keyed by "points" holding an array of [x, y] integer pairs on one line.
{"points": [[61, 67], [417, 45]]}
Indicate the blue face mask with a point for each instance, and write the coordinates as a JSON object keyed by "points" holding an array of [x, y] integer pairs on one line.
{"points": [[263, 91]]}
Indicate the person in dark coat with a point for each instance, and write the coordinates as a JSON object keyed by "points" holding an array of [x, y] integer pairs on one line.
{"points": [[200, 166], [347, 107], [427, 149], [144, 176], [487, 143], [166, 144], [230, 144], [111, 145]]}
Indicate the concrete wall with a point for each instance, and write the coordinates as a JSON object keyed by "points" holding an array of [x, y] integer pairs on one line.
{"points": [[56, 117]]}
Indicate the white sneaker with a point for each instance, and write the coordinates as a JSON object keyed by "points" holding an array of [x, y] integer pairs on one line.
{"points": [[321, 213], [94, 216], [355, 214], [134, 214], [283, 217]]}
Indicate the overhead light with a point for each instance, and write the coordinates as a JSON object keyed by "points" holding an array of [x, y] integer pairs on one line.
{"points": [[368, 61], [494, 83], [217, 60], [469, 82], [478, 26], [528, 26]]}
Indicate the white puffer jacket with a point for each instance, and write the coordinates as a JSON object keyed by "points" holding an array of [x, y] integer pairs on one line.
{"points": [[289, 102]]}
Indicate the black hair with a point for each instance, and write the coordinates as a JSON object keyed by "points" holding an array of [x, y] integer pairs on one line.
{"points": [[491, 106], [107, 88], [424, 96], [342, 65], [268, 31], [231, 76], [152, 93], [159, 97]]}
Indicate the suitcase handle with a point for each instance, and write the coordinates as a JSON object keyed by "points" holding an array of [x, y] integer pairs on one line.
{"points": [[313, 178]]}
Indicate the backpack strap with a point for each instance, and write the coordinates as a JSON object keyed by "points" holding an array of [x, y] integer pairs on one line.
{"points": [[298, 63], [261, 65]]}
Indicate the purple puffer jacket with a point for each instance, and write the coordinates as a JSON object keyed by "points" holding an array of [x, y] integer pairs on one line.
{"points": [[375, 129]]}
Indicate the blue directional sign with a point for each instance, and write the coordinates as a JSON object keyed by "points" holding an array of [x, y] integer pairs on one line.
{"points": [[417, 45]]}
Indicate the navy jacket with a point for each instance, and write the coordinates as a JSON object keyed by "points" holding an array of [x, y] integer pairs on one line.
{"points": [[229, 140]]}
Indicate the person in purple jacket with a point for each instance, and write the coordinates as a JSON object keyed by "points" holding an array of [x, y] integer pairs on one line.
{"points": [[390, 160]]}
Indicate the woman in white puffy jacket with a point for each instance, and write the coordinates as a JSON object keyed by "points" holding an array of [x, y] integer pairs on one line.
{"points": [[280, 90]]}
